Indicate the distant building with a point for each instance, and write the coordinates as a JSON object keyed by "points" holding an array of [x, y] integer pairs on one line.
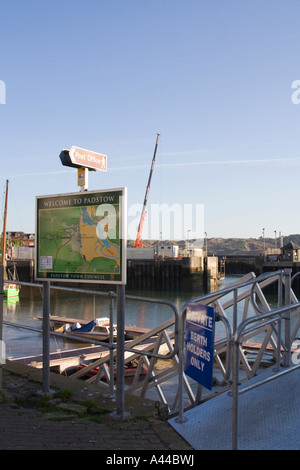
{"points": [[287, 253], [167, 251], [290, 252], [140, 253], [272, 255], [21, 239]]}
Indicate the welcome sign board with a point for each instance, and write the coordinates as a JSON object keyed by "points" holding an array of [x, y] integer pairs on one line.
{"points": [[81, 237]]}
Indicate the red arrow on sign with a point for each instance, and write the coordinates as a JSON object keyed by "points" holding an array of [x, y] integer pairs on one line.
{"points": [[88, 159]]}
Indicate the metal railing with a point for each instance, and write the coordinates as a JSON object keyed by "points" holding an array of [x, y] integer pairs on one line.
{"points": [[242, 311], [116, 349], [266, 320], [272, 323]]}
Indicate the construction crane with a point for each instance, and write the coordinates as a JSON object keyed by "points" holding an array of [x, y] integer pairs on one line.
{"points": [[139, 238]]}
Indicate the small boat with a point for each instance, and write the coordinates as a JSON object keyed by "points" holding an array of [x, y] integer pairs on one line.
{"points": [[77, 328], [97, 329], [129, 370], [11, 290]]}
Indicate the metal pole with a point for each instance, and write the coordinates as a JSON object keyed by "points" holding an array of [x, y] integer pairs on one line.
{"points": [[278, 351], [120, 350], [235, 394], [235, 310], [111, 345], [279, 339], [46, 337], [235, 375], [181, 418], [280, 289], [287, 357], [2, 350]]}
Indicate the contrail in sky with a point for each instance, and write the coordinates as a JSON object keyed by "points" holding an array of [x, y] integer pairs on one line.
{"points": [[230, 162], [39, 174], [213, 162], [173, 165]]}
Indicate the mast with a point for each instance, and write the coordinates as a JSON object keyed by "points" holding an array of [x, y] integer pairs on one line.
{"points": [[4, 227]]}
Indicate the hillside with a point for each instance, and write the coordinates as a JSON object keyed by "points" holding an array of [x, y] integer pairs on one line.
{"points": [[241, 246], [246, 246], [234, 246]]}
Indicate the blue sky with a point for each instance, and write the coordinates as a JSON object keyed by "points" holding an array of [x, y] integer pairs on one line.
{"points": [[214, 77]]}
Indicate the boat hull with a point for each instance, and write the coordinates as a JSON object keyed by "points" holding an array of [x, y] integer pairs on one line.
{"points": [[11, 292], [58, 324]]}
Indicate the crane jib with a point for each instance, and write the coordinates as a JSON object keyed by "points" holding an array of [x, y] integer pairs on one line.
{"points": [[139, 241]]}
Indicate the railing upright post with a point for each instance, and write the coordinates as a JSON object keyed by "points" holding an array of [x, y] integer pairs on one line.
{"points": [[280, 289], [46, 337], [181, 418], [111, 345], [120, 351], [278, 350], [235, 311], [235, 394], [235, 374], [287, 357]]}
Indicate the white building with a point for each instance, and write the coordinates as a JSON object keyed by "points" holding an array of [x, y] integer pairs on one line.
{"points": [[168, 251]]}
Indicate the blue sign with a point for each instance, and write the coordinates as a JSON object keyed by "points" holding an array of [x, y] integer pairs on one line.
{"points": [[199, 343]]}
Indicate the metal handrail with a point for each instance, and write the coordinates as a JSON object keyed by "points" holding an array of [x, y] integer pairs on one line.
{"points": [[267, 318], [112, 346], [176, 326], [250, 326], [232, 331], [294, 276], [113, 295], [226, 290], [207, 299]]}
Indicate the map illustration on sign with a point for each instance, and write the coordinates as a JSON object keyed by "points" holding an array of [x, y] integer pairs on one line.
{"points": [[80, 238]]}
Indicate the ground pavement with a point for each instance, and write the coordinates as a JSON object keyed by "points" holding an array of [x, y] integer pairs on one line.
{"points": [[77, 417]]}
